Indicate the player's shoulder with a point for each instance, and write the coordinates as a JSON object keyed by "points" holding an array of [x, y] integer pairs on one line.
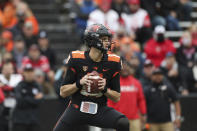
{"points": [[78, 54], [113, 57]]}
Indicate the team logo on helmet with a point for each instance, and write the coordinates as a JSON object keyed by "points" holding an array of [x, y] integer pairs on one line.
{"points": [[95, 28], [85, 68]]}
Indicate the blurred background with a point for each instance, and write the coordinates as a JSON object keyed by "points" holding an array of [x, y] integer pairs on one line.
{"points": [[37, 36]]}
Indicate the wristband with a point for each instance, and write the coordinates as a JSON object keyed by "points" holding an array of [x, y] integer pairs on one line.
{"points": [[104, 91], [78, 85]]}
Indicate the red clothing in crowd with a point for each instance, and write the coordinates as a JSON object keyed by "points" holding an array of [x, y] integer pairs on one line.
{"points": [[156, 52], [2, 97], [42, 63], [132, 98]]}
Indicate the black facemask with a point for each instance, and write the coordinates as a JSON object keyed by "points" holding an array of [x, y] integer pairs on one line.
{"points": [[160, 38]]}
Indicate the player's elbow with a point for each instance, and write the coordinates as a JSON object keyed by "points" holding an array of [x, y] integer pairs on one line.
{"points": [[62, 92]]}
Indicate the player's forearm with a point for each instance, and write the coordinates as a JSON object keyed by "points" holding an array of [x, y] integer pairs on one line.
{"points": [[67, 90], [113, 95]]}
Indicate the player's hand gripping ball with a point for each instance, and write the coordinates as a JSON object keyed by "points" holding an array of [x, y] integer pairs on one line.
{"points": [[93, 87]]}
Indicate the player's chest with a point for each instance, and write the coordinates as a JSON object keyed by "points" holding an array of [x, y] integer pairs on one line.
{"points": [[103, 69]]}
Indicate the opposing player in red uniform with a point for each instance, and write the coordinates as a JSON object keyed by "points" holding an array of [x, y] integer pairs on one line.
{"points": [[89, 108]]}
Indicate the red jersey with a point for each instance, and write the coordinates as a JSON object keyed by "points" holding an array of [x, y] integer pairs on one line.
{"points": [[132, 98], [42, 63]]}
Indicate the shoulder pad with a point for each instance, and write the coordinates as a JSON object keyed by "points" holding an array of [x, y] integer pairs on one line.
{"points": [[113, 57], [78, 54]]}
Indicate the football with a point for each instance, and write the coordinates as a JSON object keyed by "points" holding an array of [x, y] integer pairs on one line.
{"points": [[93, 87]]}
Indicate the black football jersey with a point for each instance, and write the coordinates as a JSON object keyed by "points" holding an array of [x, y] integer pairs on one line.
{"points": [[79, 64]]}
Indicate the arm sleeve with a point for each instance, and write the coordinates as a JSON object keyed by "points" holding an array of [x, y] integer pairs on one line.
{"points": [[70, 76], [141, 100], [172, 94], [115, 81]]}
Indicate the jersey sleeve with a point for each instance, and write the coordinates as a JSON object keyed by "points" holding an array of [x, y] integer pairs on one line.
{"points": [[70, 76], [172, 94], [115, 81]]}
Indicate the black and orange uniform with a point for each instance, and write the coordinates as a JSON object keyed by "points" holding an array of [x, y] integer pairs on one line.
{"points": [[79, 65]]}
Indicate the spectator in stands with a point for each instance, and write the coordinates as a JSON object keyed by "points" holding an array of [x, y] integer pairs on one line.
{"points": [[23, 10], [186, 56], [193, 33], [185, 10], [117, 38], [159, 96], [120, 6], [137, 21], [28, 96], [45, 49], [46, 86], [130, 50], [81, 12], [36, 59], [7, 14], [8, 40], [169, 10], [170, 67], [8, 57], [19, 51], [8, 76], [18, 28], [28, 35], [149, 6], [8, 81], [145, 79], [157, 47], [104, 15], [132, 101], [129, 44]]}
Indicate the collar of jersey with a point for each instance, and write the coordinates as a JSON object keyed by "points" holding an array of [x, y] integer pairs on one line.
{"points": [[89, 59]]}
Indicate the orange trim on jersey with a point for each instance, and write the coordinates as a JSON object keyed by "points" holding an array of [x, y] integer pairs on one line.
{"points": [[115, 74], [78, 54], [73, 69], [114, 58]]}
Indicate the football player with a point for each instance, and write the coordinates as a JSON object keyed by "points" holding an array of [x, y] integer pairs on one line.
{"points": [[88, 108]]}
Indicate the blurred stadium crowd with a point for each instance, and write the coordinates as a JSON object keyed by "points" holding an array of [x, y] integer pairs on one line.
{"points": [[139, 28]]}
